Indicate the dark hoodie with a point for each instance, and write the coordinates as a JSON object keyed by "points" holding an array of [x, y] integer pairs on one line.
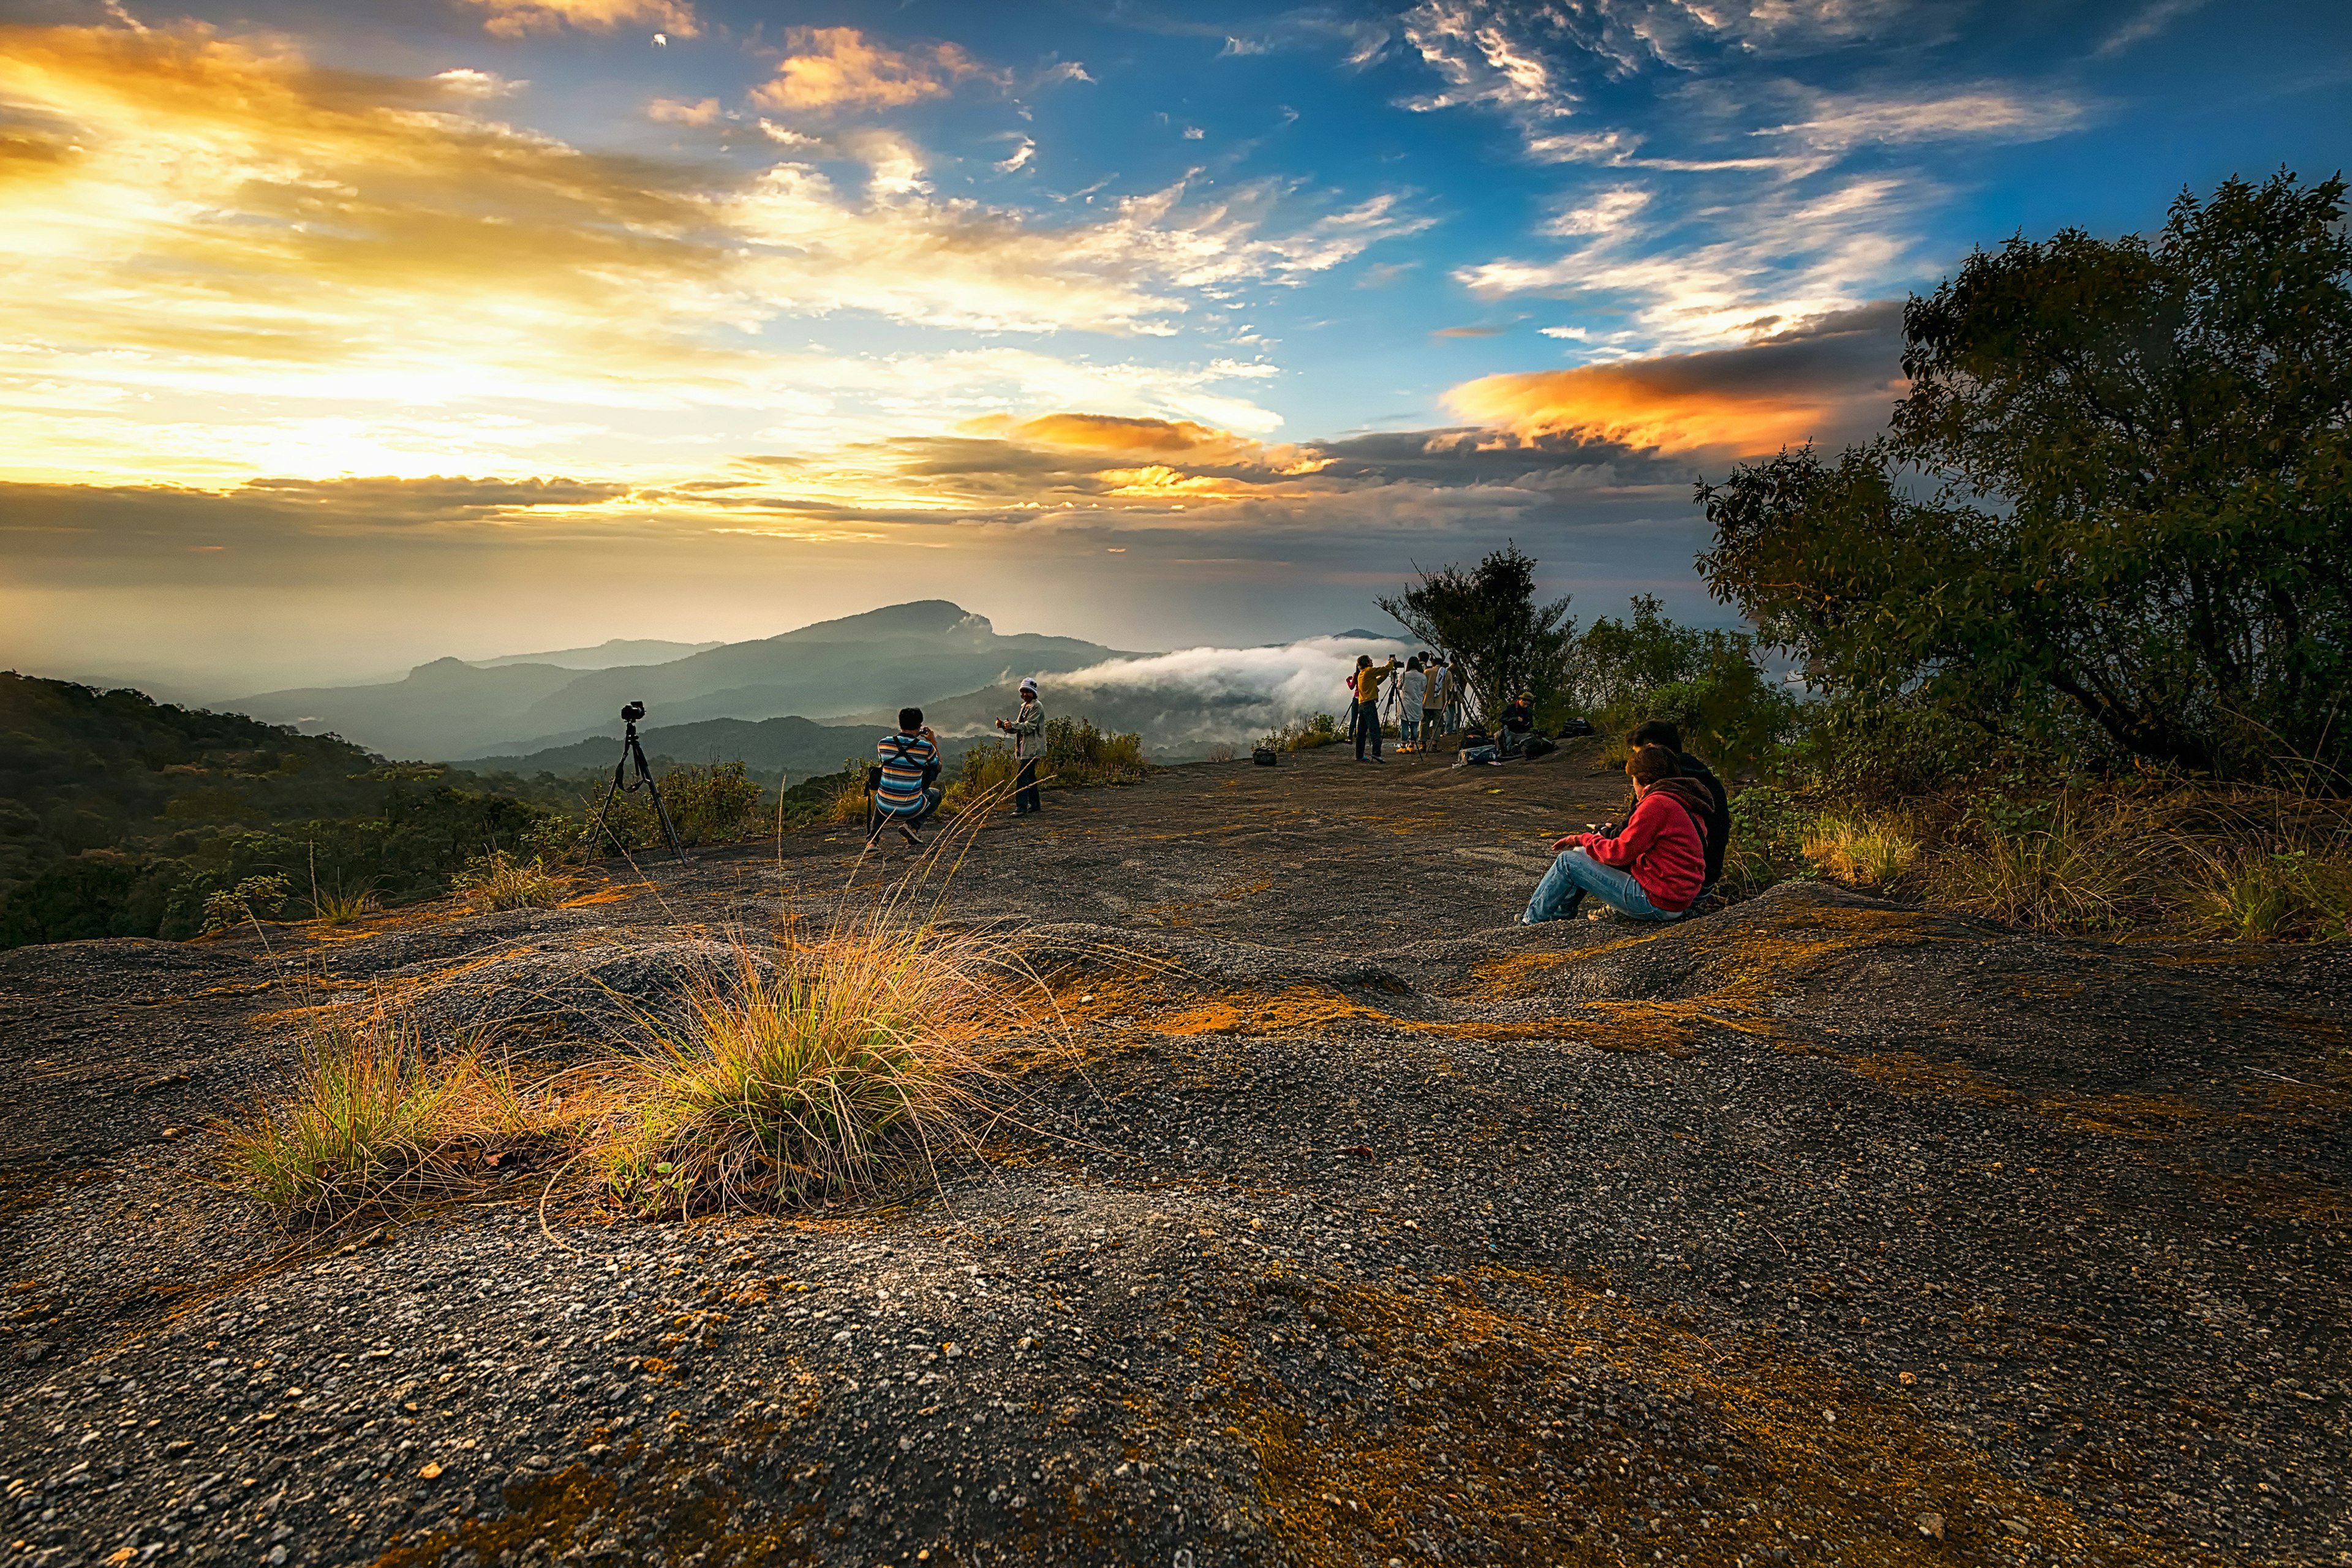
{"points": [[1716, 812]]}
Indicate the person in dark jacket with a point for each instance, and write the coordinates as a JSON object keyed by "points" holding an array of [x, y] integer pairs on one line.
{"points": [[1659, 732]]}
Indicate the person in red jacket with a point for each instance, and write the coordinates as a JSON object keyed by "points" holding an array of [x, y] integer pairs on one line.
{"points": [[1653, 868]]}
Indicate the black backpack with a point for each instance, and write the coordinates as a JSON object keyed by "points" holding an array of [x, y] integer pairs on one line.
{"points": [[899, 754]]}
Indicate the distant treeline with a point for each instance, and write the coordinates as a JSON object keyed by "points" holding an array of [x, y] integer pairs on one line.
{"points": [[120, 816]]}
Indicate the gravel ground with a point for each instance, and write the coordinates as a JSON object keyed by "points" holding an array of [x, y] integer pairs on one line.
{"points": [[1360, 1226]]}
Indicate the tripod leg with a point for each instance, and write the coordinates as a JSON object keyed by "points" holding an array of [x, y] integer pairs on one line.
{"points": [[661, 807], [612, 793]]}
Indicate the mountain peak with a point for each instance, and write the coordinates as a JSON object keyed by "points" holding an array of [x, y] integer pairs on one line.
{"points": [[921, 618]]}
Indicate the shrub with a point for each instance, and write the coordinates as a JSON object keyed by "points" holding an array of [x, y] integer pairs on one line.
{"points": [[249, 900], [500, 881], [811, 1072], [1703, 680], [1304, 735], [1221, 753], [1768, 829], [713, 803], [1078, 754], [984, 775], [372, 1120]]}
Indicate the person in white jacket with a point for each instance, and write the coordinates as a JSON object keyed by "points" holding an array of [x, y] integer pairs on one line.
{"points": [[1411, 686], [1027, 728]]}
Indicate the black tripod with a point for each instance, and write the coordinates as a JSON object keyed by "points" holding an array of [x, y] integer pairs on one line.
{"points": [[633, 756]]}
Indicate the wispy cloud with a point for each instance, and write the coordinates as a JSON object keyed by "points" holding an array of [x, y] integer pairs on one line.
{"points": [[2151, 20], [519, 18]]}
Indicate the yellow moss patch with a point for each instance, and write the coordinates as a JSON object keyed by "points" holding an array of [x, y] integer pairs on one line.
{"points": [[1908, 1072], [1525, 1407], [612, 893], [2289, 1195], [2143, 1116]]}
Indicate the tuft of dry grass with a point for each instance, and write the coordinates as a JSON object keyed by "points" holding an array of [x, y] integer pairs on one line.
{"points": [[2244, 893], [2078, 867], [502, 881], [1221, 753], [849, 802], [373, 1120], [1862, 850], [341, 908], [821, 1069]]}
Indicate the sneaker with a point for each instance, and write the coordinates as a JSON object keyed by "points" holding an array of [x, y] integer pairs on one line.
{"points": [[1379, 759], [908, 834]]}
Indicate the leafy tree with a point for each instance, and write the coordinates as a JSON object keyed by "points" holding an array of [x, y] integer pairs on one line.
{"points": [[2115, 509], [1488, 623], [1704, 680]]}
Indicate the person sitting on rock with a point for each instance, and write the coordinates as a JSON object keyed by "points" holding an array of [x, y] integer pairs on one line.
{"points": [[1659, 732], [903, 792], [1517, 722], [1651, 868]]}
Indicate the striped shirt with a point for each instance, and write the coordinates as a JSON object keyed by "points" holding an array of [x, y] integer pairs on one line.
{"points": [[903, 758]]}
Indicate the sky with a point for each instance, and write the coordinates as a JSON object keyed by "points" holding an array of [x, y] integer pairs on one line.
{"points": [[334, 338]]}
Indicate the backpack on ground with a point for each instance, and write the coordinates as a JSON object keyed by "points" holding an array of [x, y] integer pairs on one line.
{"points": [[1538, 746]]}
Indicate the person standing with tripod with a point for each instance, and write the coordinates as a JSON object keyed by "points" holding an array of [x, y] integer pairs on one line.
{"points": [[1027, 728]]}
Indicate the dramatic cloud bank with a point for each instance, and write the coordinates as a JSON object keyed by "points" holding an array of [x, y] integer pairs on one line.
{"points": [[1186, 701]]}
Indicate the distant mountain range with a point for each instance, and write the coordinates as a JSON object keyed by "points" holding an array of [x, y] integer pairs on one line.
{"points": [[798, 748], [454, 710], [608, 654]]}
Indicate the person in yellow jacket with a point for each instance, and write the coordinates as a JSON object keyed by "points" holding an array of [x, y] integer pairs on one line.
{"points": [[1369, 677]]}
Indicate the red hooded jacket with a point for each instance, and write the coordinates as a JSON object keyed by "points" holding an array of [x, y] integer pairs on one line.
{"points": [[1662, 845]]}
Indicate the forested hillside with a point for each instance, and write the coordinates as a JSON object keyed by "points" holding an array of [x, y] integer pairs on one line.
{"points": [[120, 816]]}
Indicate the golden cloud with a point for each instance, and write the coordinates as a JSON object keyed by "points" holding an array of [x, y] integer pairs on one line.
{"points": [[227, 261], [518, 18], [1634, 405], [1829, 379], [836, 68]]}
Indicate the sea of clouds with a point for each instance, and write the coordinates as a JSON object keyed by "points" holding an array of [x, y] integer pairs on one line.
{"points": [[1186, 701]]}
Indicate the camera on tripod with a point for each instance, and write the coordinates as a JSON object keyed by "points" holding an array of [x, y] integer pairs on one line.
{"points": [[630, 774]]}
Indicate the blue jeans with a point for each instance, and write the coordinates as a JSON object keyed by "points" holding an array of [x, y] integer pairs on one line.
{"points": [[1575, 874], [1408, 727], [1367, 728]]}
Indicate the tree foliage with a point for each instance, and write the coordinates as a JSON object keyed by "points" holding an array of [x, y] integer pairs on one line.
{"points": [[1488, 623], [1704, 680], [2112, 512]]}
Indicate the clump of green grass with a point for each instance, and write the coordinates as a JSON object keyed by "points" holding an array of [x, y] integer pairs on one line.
{"points": [[2069, 865], [2252, 894], [820, 1073], [1862, 848], [502, 881], [372, 1120]]}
